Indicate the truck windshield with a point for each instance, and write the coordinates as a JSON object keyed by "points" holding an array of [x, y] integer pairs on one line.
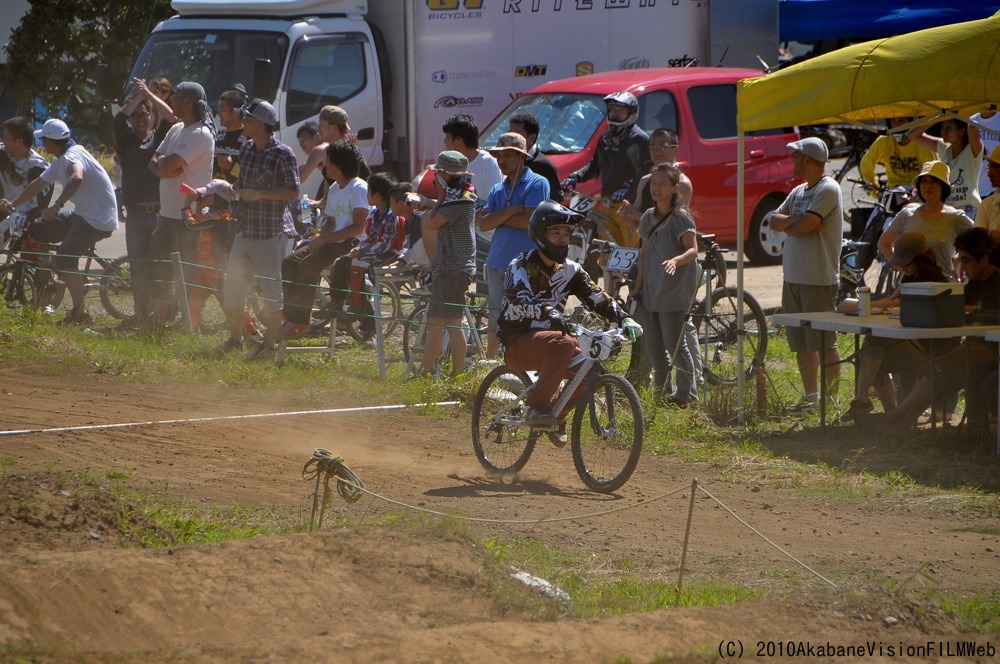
{"points": [[215, 59], [567, 121]]}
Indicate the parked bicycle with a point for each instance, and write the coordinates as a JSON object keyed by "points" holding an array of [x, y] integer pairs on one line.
{"points": [[861, 263], [27, 277], [713, 315], [607, 427], [477, 319]]}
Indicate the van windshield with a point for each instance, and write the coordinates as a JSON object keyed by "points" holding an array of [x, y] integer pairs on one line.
{"points": [[567, 121], [216, 59]]}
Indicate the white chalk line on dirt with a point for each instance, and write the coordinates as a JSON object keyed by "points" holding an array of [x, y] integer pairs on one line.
{"points": [[577, 517], [220, 418]]}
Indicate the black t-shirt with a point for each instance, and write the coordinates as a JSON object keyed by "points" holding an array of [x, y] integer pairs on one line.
{"points": [[542, 165], [228, 144], [139, 185]]}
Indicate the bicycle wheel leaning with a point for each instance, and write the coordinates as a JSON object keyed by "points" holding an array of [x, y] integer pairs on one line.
{"points": [[718, 335], [501, 448], [17, 284], [116, 289], [607, 433]]}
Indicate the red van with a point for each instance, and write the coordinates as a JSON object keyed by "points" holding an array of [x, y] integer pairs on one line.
{"points": [[699, 103]]}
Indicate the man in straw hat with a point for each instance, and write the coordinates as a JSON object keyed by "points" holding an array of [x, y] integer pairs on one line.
{"points": [[508, 209]]}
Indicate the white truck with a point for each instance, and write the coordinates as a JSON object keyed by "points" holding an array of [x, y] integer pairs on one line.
{"points": [[401, 67]]}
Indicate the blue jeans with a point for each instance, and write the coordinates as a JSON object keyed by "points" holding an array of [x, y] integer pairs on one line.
{"points": [[139, 226]]}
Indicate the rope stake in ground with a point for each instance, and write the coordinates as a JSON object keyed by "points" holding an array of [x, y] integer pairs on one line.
{"points": [[326, 465], [220, 418]]}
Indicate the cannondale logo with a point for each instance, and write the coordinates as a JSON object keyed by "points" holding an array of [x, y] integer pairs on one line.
{"points": [[633, 63], [440, 77]]}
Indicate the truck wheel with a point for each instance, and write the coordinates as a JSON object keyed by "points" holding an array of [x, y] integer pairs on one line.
{"points": [[765, 246]]}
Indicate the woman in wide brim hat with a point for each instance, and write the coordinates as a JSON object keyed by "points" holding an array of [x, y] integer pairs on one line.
{"points": [[938, 222]]}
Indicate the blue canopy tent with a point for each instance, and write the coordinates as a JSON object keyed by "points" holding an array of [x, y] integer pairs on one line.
{"points": [[816, 20]]}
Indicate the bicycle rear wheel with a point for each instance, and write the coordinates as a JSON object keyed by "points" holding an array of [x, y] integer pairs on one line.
{"points": [[501, 448], [607, 433], [116, 289], [718, 335]]}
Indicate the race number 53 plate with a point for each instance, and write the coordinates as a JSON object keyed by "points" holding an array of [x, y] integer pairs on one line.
{"points": [[622, 259]]}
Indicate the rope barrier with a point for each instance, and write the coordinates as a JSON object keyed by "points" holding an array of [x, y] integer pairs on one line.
{"points": [[760, 535], [221, 418], [325, 465]]}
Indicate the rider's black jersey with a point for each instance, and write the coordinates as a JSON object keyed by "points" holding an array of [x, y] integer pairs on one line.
{"points": [[619, 161], [532, 289]]}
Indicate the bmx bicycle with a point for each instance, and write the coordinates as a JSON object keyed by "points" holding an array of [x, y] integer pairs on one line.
{"points": [[607, 428]]}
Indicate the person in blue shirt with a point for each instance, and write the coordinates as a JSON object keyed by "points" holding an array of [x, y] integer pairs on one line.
{"points": [[507, 211]]}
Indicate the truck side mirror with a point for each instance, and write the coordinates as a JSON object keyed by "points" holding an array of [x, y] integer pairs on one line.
{"points": [[366, 134], [263, 79], [104, 87]]}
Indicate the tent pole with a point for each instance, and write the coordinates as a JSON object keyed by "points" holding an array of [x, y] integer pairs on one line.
{"points": [[740, 230]]}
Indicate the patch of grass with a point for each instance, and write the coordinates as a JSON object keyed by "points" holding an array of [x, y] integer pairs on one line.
{"points": [[980, 612]]}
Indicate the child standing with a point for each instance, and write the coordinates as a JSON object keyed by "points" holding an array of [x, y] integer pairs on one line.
{"points": [[666, 282]]}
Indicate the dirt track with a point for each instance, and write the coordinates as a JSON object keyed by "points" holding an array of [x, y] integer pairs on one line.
{"points": [[366, 595]]}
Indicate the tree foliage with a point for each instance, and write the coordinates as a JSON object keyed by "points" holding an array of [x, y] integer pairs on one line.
{"points": [[54, 53]]}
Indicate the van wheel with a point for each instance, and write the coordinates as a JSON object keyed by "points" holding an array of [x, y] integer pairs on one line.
{"points": [[765, 246]]}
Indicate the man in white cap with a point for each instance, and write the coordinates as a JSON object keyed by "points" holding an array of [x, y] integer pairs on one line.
{"points": [[989, 212], [268, 179], [185, 157], [508, 209], [812, 218], [93, 218]]}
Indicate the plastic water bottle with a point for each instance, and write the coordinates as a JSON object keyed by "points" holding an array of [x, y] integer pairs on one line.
{"points": [[864, 301]]}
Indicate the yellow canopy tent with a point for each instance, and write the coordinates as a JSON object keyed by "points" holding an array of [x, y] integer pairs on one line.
{"points": [[951, 70], [955, 67]]}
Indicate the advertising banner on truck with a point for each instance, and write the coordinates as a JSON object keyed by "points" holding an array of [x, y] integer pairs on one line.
{"points": [[475, 56]]}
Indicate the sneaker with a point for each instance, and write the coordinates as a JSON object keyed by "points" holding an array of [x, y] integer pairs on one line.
{"points": [[558, 437], [808, 404], [292, 331], [226, 347], [368, 341], [262, 352], [77, 318], [857, 407], [539, 416]]}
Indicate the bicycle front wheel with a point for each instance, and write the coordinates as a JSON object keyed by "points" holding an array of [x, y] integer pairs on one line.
{"points": [[17, 284], [607, 434], [501, 448], [718, 335], [116, 289]]}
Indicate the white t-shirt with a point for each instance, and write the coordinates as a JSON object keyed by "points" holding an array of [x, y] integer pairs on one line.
{"points": [[25, 170], [989, 132], [485, 174], [341, 203], [988, 215], [95, 199], [964, 175], [196, 146]]}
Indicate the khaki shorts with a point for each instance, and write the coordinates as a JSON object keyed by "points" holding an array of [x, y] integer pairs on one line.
{"points": [[801, 299]]}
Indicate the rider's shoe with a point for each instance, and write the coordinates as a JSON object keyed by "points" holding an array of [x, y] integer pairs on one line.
{"points": [[558, 437], [226, 347], [262, 351], [539, 416]]}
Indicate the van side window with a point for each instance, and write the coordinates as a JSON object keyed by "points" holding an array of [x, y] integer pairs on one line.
{"points": [[657, 109], [323, 72], [714, 110]]}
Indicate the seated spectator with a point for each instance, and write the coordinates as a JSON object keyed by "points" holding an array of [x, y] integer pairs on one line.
{"points": [[407, 205], [382, 237], [968, 363], [346, 212], [880, 356]]}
